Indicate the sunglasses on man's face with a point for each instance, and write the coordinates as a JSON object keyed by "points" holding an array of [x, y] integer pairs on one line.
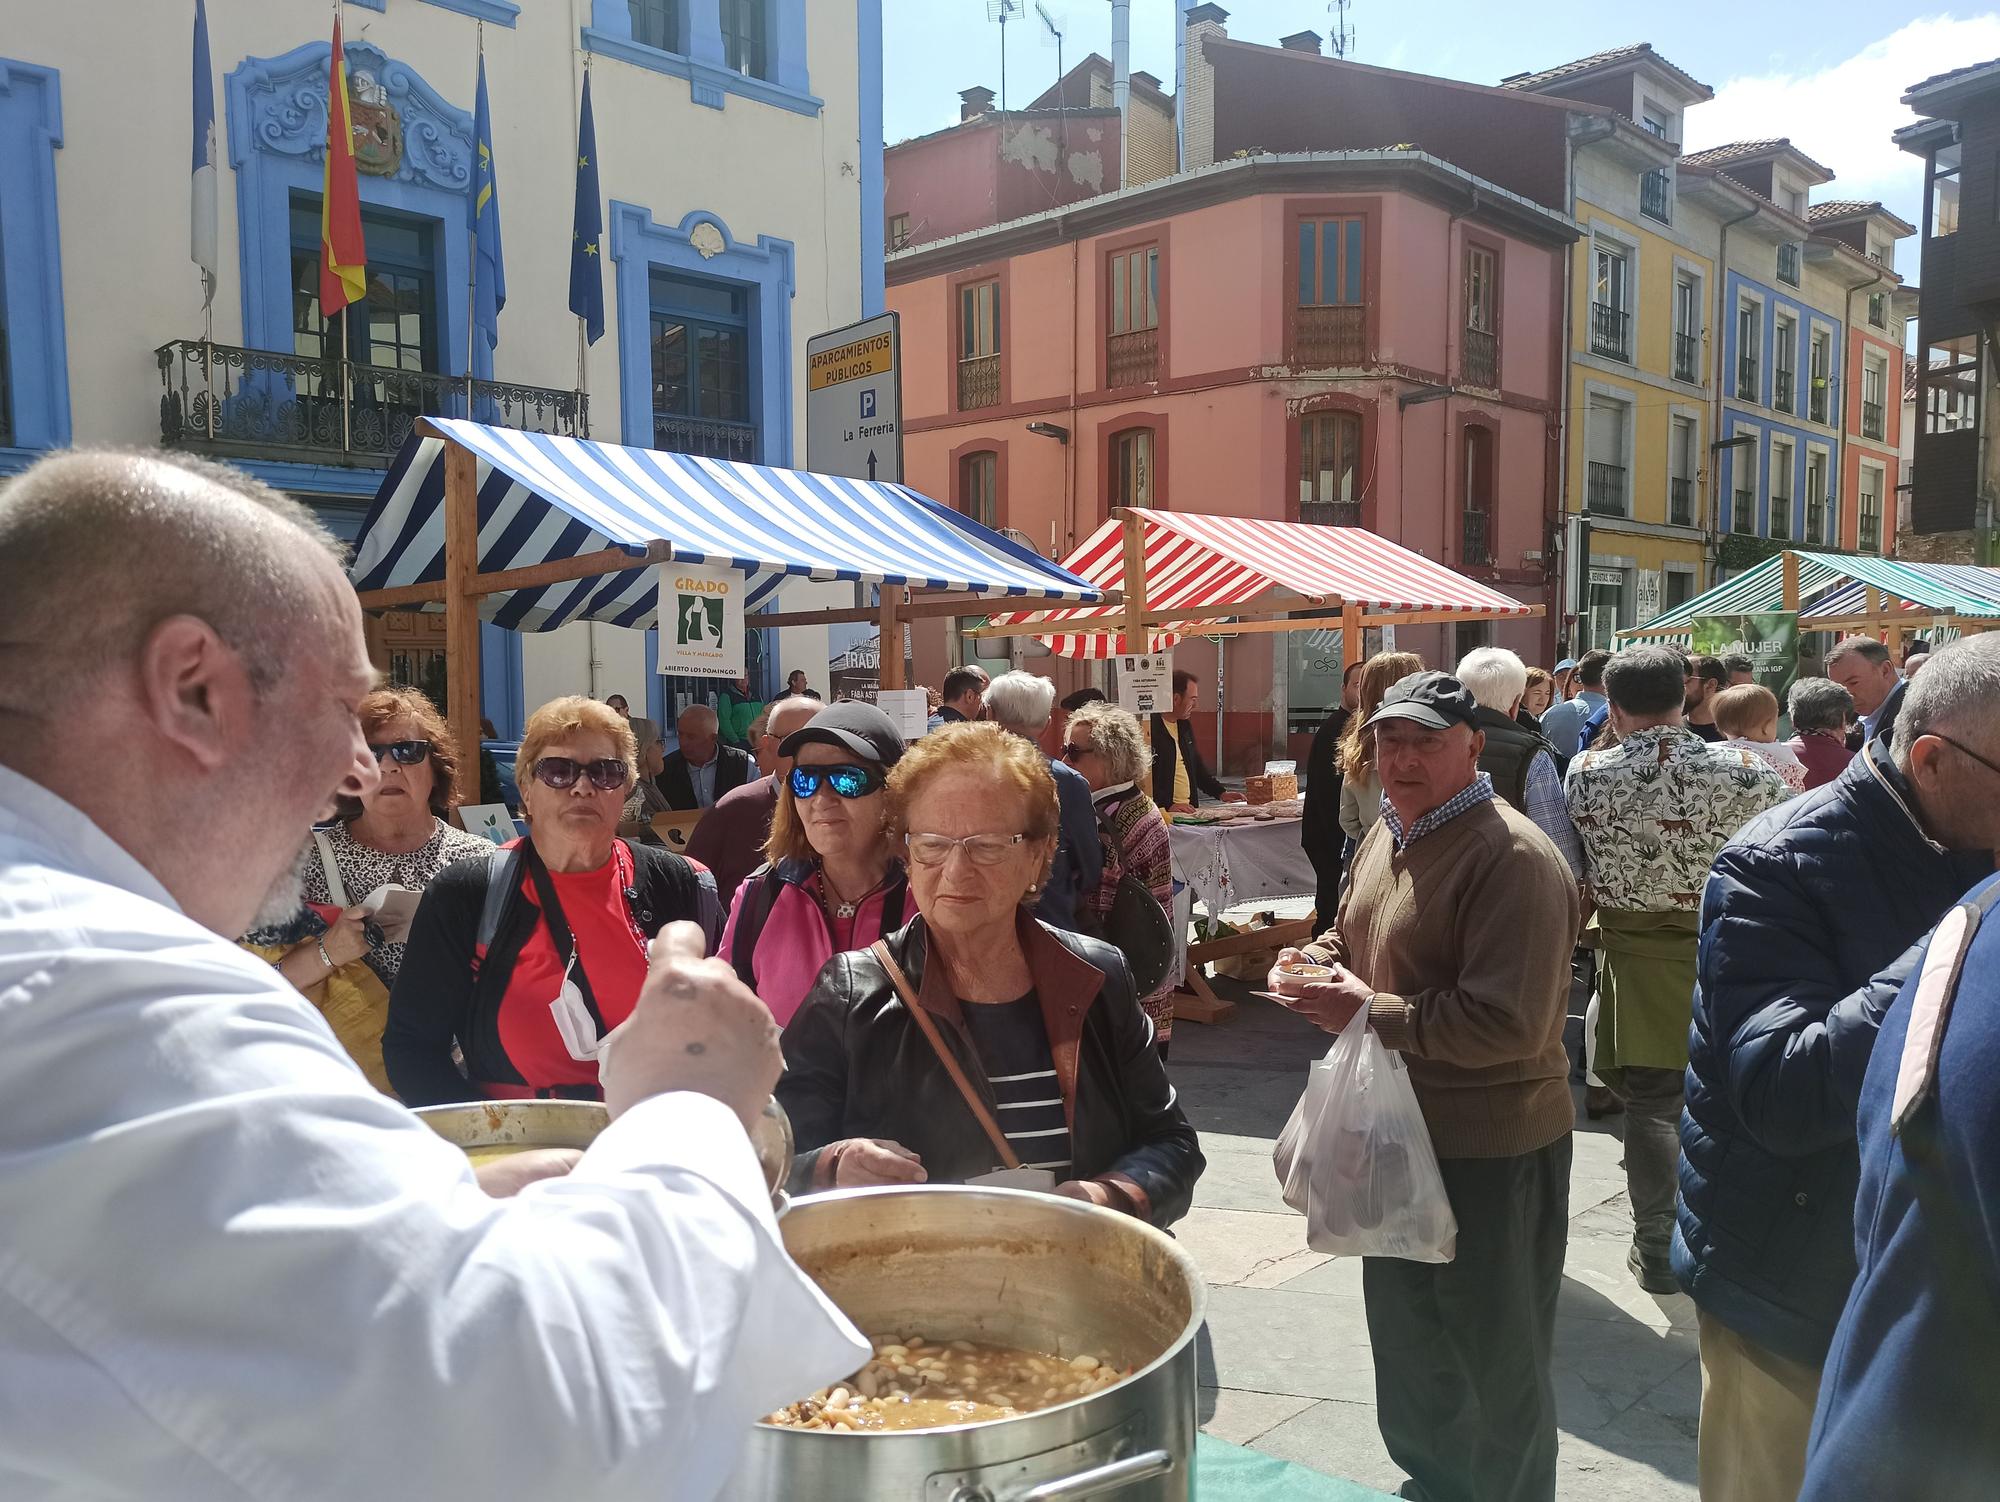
{"points": [[847, 781], [1071, 751], [402, 753], [561, 773]]}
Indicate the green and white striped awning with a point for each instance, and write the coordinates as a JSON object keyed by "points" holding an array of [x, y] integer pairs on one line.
{"points": [[1834, 584]]}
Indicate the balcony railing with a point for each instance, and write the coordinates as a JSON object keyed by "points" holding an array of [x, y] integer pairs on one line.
{"points": [[1871, 420], [1816, 523], [1871, 533], [1331, 514], [1816, 399], [253, 403], [1781, 390], [1480, 362], [1475, 545], [1746, 379], [1330, 335], [1781, 517], [1132, 359], [1743, 515], [979, 382], [1687, 358], [1604, 488], [1653, 196], [706, 436], [1680, 502], [1610, 331]]}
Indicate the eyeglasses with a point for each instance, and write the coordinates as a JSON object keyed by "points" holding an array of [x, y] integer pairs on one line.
{"points": [[1071, 752], [1957, 746], [980, 849], [403, 753], [847, 781], [559, 772]]}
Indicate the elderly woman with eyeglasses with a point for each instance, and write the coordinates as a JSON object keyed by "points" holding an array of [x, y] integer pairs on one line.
{"points": [[526, 960], [977, 1039], [831, 880]]}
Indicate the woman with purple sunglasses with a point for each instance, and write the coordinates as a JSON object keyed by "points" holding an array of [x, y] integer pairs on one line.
{"points": [[523, 962]]}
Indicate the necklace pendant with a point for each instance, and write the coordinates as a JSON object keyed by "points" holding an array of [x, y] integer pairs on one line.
{"points": [[845, 909]]}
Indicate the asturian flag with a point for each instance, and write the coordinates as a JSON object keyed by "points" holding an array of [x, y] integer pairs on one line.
{"points": [[201, 194], [489, 272]]}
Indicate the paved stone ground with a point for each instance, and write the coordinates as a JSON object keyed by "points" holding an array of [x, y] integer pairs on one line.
{"points": [[1285, 1363]]}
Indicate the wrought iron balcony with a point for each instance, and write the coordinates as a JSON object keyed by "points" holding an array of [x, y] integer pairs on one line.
{"points": [[1680, 502], [1746, 379], [1610, 331], [253, 403], [1604, 488], [1132, 359], [979, 382], [1331, 514], [1781, 518], [1816, 399], [1475, 545], [1330, 335], [1687, 358], [705, 436], [1871, 533], [1781, 390], [1816, 522], [1479, 363], [1653, 200], [1743, 515], [1871, 420]]}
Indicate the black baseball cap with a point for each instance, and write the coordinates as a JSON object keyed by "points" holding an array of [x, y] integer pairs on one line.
{"points": [[1432, 699], [853, 726]]}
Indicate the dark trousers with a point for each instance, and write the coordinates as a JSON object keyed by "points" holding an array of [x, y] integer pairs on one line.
{"points": [[1462, 1386]]}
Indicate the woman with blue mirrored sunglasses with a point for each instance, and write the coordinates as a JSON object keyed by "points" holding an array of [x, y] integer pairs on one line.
{"points": [[847, 781]]}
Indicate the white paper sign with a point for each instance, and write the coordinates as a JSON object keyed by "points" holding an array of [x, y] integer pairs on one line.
{"points": [[701, 620], [909, 708], [1146, 684], [490, 821]]}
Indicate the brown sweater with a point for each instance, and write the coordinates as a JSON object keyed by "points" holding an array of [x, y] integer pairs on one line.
{"points": [[1466, 938]]}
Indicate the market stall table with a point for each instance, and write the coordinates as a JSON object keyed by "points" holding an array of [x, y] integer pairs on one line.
{"points": [[1236, 859]]}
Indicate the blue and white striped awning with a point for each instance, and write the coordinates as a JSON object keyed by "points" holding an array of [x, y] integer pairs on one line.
{"points": [[544, 497]]}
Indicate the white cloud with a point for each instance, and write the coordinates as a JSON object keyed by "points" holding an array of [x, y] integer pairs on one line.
{"points": [[1841, 115]]}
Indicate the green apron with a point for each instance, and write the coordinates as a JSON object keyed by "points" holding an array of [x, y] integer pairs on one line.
{"points": [[1645, 977]]}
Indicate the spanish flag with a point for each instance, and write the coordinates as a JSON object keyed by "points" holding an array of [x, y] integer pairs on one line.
{"points": [[343, 258]]}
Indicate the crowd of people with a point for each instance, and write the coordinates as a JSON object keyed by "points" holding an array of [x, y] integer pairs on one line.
{"points": [[941, 957]]}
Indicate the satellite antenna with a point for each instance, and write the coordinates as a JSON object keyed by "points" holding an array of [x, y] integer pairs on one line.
{"points": [[1062, 104], [1004, 11], [1342, 38]]}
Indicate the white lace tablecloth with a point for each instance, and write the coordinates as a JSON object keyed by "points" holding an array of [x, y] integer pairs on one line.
{"points": [[1240, 861]]}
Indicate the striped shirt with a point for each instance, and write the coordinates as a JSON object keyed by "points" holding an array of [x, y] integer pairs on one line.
{"points": [[1013, 1048]]}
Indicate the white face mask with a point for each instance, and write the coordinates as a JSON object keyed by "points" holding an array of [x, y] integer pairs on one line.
{"points": [[573, 1021]]}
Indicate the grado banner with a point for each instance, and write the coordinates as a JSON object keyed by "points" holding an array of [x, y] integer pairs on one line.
{"points": [[701, 620], [1769, 638]]}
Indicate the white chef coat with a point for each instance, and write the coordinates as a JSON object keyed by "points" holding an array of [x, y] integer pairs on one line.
{"points": [[230, 1269]]}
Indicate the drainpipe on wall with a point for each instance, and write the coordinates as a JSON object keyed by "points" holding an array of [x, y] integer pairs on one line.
{"points": [[1121, 83], [1716, 330], [1562, 567]]}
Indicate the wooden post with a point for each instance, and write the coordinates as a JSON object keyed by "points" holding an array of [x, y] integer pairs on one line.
{"points": [[1350, 638], [1791, 580], [1135, 639], [461, 604], [889, 645], [1892, 638]]}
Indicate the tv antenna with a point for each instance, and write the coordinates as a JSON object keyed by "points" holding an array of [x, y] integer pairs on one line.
{"points": [[1004, 11], [1342, 33]]}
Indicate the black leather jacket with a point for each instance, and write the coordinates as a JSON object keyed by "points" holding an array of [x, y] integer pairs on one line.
{"points": [[858, 1066]]}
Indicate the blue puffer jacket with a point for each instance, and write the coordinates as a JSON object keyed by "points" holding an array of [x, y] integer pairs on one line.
{"points": [[1809, 923]]}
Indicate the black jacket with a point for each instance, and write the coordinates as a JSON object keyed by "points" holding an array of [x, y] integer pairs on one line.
{"points": [[733, 768], [1511, 748], [448, 992], [1808, 922], [856, 1065], [1319, 830], [1172, 738]]}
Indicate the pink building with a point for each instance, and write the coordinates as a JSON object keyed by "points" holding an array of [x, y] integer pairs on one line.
{"points": [[1368, 338]]}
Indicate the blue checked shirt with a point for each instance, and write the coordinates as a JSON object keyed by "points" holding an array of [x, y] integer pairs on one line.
{"points": [[1479, 791], [1550, 811]]}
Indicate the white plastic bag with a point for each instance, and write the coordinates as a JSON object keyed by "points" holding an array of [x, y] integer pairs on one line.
{"points": [[1356, 1159]]}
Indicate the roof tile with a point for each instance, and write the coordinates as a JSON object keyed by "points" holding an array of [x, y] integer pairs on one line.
{"points": [[1586, 64]]}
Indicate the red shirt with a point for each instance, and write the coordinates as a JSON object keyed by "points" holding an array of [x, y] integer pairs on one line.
{"points": [[612, 953], [1825, 756]]}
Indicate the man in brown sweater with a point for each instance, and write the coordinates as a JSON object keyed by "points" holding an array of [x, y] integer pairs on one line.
{"points": [[1455, 936]]}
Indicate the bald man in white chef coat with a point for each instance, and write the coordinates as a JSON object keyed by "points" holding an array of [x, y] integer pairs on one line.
{"points": [[228, 1268]]}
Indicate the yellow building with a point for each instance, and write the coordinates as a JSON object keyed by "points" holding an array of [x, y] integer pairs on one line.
{"points": [[1640, 511]]}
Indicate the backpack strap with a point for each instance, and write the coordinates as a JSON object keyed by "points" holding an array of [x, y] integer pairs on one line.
{"points": [[503, 874], [674, 880], [756, 910]]}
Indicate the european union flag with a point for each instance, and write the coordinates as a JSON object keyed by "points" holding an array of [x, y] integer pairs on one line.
{"points": [[489, 271], [586, 270]]}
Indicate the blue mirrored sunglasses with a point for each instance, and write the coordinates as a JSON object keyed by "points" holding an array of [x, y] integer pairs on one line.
{"points": [[847, 781]]}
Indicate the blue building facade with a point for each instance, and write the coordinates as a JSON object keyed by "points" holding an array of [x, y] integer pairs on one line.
{"points": [[1780, 378]]}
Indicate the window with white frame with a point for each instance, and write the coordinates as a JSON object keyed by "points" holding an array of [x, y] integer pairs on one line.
{"points": [[1607, 482], [1822, 521], [1874, 396], [1610, 308], [1687, 327], [1681, 472], [1781, 488], [1869, 508]]}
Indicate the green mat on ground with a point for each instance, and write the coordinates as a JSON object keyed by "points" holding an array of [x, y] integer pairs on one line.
{"points": [[1229, 1473]]}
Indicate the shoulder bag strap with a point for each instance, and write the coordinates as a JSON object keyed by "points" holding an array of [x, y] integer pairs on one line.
{"points": [[901, 982], [336, 889]]}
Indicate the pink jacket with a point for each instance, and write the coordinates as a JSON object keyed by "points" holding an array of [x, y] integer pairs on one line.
{"points": [[783, 958]]}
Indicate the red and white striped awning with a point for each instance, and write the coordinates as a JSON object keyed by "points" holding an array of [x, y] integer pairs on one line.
{"points": [[1210, 563]]}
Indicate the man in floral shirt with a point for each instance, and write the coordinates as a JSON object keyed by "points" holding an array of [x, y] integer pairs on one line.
{"points": [[1652, 812]]}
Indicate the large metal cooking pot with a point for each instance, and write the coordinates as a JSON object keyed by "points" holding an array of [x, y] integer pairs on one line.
{"points": [[951, 1262]]}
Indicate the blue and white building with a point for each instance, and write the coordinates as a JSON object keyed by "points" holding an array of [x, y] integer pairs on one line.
{"points": [[740, 178]]}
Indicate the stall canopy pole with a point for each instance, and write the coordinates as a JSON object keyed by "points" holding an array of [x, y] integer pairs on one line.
{"points": [[889, 646], [461, 602], [1790, 598], [1135, 639], [1350, 638]]}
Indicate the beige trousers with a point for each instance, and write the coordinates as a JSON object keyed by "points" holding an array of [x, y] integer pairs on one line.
{"points": [[1756, 1414]]}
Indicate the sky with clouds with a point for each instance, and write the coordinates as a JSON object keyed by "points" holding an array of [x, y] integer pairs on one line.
{"points": [[1827, 75]]}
